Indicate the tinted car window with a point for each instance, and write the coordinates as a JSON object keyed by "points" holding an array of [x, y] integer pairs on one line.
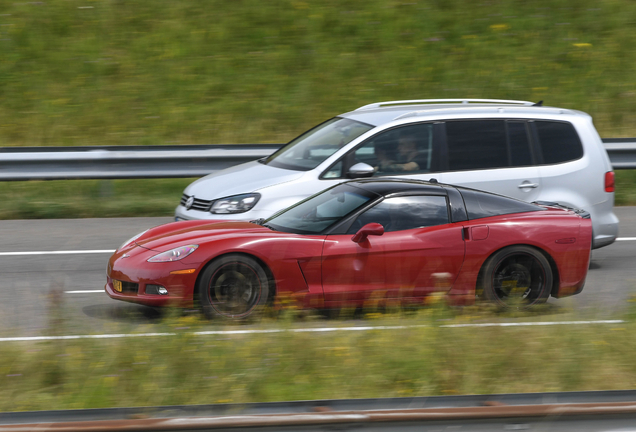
{"points": [[480, 205], [559, 142], [402, 213], [476, 144], [520, 154]]}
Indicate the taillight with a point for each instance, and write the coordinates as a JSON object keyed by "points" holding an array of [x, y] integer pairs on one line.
{"points": [[609, 181]]}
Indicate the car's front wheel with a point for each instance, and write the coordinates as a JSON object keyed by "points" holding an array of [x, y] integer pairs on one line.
{"points": [[517, 276], [233, 286]]}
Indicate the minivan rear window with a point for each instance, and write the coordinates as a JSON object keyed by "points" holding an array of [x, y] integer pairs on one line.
{"points": [[559, 142]]}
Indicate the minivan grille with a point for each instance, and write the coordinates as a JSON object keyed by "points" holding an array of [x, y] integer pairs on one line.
{"points": [[198, 204]]}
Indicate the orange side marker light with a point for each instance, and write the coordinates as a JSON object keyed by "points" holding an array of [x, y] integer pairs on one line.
{"points": [[188, 271]]}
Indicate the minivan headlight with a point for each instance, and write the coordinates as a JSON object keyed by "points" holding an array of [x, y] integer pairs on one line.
{"points": [[235, 204]]}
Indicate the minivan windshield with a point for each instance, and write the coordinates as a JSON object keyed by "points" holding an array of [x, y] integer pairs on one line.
{"points": [[314, 146], [319, 212]]}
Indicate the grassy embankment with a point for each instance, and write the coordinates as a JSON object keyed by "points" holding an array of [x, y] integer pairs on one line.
{"points": [[123, 73], [423, 360]]}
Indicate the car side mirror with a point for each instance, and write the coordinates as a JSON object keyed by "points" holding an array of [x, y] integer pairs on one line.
{"points": [[369, 229], [360, 170]]}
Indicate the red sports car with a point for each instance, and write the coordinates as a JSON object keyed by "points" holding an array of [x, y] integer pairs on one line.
{"points": [[362, 240]]}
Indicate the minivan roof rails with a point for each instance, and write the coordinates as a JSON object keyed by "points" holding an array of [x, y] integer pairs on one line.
{"points": [[433, 101]]}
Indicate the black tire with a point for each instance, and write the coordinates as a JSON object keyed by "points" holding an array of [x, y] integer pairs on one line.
{"points": [[233, 286], [517, 276]]}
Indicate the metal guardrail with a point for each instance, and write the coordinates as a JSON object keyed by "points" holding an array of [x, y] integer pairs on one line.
{"points": [[581, 411], [59, 163], [622, 152]]}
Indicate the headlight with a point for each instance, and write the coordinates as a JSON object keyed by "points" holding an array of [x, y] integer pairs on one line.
{"points": [[132, 239], [235, 204], [175, 254]]}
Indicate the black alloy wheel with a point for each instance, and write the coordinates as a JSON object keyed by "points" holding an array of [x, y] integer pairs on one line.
{"points": [[517, 276], [233, 286]]}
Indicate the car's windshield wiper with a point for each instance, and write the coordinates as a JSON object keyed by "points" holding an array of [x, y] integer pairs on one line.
{"points": [[260, 221]]}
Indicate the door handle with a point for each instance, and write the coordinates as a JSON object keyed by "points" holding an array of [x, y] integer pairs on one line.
{"points": [[528, 185]]}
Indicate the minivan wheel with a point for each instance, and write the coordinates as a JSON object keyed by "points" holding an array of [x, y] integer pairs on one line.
{"points": [[233, 286], [517, 276]]}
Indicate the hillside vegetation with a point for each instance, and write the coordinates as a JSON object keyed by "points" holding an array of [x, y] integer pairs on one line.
{"points": [[124, 72]]}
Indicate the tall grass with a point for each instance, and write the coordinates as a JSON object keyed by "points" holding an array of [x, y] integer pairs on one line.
{"points": [[422, 360]]}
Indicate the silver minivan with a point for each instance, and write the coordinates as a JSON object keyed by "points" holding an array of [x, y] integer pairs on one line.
{"points": [[514, 148]]}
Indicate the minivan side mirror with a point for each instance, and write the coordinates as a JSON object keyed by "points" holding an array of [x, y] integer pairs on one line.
{"points": [[360, 170], [369, 229]]}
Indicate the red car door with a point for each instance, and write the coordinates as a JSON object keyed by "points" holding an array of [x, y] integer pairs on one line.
{"points": [[404, 262]]}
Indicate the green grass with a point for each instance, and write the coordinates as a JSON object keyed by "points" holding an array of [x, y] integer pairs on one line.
{"points": [[96, 72], [70, 199], [423, 360], [133, 198], [625, 188]]}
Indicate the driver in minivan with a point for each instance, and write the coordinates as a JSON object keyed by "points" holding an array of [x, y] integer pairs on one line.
{"points": [[406, 156]]}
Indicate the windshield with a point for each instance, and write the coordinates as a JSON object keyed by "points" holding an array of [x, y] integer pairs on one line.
{"points": [[321, 211], [314, 146]]}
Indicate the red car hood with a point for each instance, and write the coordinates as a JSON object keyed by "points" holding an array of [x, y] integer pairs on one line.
{"points": [[166, 237]]}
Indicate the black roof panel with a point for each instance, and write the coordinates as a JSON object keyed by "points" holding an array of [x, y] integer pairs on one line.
{"points": [[387, 186]]}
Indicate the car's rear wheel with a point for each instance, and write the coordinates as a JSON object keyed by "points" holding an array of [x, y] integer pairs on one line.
{"points": [[517, 276], [233, 286]]}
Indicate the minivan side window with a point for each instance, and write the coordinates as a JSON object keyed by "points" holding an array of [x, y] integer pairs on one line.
{"points": [[403, 150], [486, 144], [559, 142], [476, 144], [520, 154]]}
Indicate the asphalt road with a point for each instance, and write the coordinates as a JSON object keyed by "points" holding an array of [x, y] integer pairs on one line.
{"points": [[33, 285]]}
